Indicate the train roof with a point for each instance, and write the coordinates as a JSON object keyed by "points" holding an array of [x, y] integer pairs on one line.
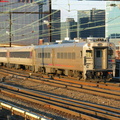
{"points": [[55, 45], [61, 45], [17, 48]]}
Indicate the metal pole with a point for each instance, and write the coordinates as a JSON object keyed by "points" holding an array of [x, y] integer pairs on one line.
{"points": [[50, 19], [10, 30], [40, 21], [119, 69]]}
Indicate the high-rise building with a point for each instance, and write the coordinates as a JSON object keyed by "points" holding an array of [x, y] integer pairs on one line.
{"points": [[19, 22], [69, 29], [113, 21], [91, 23], [94, 0], [51, 31]]}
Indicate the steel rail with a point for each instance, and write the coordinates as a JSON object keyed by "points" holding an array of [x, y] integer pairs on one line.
{"points": [[79, 87], [110, 86], [76, 105], [46, 104]]}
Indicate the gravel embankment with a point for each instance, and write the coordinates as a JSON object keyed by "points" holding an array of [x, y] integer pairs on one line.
{"points": [[64, 92]]}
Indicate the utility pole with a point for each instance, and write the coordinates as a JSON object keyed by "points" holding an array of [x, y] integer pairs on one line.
{"points": [[40, 5], [50, 19]]}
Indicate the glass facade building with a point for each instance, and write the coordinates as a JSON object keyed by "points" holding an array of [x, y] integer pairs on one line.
{"points": [[92, 0], [69, 29], [54, 25], [113, 21], [21, 21], [91, 23]]}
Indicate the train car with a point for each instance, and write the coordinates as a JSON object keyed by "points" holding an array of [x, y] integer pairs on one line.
{"points": [[3, 56], [117, 72], [22, 57], [18, 57], [91, 59]]}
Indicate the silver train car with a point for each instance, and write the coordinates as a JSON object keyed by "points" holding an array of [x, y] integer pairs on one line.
{"points": [[18, 57], [90, 59]]}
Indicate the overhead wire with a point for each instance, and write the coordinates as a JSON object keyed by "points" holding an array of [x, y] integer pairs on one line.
{"points": [[54, 33], [22, 6], [28, 25]]}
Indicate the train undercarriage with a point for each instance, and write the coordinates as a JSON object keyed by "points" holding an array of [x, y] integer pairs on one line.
{"points": [[63, 72], [99, 74]]}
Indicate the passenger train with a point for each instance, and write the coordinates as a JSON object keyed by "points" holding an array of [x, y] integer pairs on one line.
{"points": [[89, 59]]}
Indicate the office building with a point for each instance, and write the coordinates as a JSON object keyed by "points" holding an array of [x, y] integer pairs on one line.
{"points": [[69, 29], [51, 31], [113, 21], [91, 23]]}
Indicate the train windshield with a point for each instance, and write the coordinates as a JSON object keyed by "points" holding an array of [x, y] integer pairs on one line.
{"points": [[88, 53]]}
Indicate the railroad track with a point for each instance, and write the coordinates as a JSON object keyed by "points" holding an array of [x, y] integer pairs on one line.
{"points": [[95, 89], [108, 85], [70, 108]]}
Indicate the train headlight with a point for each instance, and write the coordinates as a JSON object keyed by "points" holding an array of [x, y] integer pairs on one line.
{"points": [[110, 45]]}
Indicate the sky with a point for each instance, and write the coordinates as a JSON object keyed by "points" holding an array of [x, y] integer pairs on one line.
{"points": [[69, 7]]}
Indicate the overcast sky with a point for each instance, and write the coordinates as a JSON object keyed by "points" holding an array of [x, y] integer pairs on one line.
{"points": [[69, 7]]}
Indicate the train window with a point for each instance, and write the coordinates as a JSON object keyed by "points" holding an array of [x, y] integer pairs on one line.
{"points": [[61, 55], [88, 53], [39, 55], [69, 55], [58, 55], [42, 55], [81, 54], [48, 55], [65, 55], [73, 55], [3, 54], [45, 55], [20, 54], [98, 53]]}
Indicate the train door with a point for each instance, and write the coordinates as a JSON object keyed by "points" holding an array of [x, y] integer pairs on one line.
{"points": [[100, 60], [105, 59]]}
